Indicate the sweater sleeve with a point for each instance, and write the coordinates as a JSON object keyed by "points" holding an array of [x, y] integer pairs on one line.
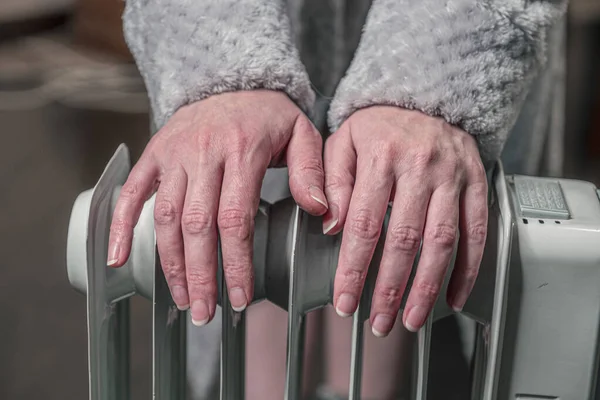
{"points": [[187, 50], [468, 61]]}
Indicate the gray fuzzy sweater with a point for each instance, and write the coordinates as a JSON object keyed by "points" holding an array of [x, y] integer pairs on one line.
{"points": [[468, 61], [471, 62]]}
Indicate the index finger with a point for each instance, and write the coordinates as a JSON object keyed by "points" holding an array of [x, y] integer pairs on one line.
{"points": [[139, 186]]}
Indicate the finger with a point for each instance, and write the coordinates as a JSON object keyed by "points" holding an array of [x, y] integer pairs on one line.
{"points": [[169, 239], [361, 230], [305, 165], [199, 227], [340, 170], [439, 237], [237, 209], [134, 193], [402, 242], [473, 232]]}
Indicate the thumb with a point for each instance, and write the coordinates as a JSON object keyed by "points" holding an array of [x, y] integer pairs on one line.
{"points": [[305, 164]]}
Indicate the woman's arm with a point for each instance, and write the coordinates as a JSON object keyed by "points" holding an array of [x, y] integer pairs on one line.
{"points": [[468, 61], [188, 50]]}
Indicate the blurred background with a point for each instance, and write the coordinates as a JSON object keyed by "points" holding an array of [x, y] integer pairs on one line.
{"points": [[69, 94]]}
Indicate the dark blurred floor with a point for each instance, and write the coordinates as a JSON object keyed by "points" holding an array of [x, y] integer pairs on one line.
{"points": [[48, 156]]}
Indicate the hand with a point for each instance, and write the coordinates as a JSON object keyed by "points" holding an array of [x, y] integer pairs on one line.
{"points": [[433, 173], [208, 164]]}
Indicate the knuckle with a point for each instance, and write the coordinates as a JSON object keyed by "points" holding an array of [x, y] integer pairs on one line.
{"points": [[172, 271], [309, 166], [120, 226], [452, 168], [390, 296], [476, 233], [335, 181], [353, 276], [196, 220], [383, 151], [235, 223], [475, 167], [404, 238], [381, 163], [469, 274], [238, 272], [424, 157], [165, 212], [241, 141], [200, 278], [364, 225], [131, 189], [443, 235], [204, 139], [429, 290]]}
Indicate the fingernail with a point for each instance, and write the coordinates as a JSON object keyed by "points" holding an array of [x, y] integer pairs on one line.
{"points": [[180, 297], [382, 325], [200, 313], [346, 305], [415, 318], [331, 219], [113, 254], [457, 306], [329, 225], [317, 194], [457, 302], [237, 298]]}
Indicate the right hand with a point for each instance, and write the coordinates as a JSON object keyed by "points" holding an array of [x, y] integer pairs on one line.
{"points": [[207, 165]]}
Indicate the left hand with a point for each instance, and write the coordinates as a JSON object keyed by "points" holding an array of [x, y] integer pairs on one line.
{"points": [[433, 174]]}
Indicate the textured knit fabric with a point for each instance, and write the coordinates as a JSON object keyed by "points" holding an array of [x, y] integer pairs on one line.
{"points": [[472, 62], [188, 50]]}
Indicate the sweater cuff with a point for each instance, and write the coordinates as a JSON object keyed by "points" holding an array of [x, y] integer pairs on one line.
{"points": [[188, 50], [469, 62]]}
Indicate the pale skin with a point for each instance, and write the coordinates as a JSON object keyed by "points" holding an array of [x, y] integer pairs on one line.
{"points": [[433, 174], [207, 164]]}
